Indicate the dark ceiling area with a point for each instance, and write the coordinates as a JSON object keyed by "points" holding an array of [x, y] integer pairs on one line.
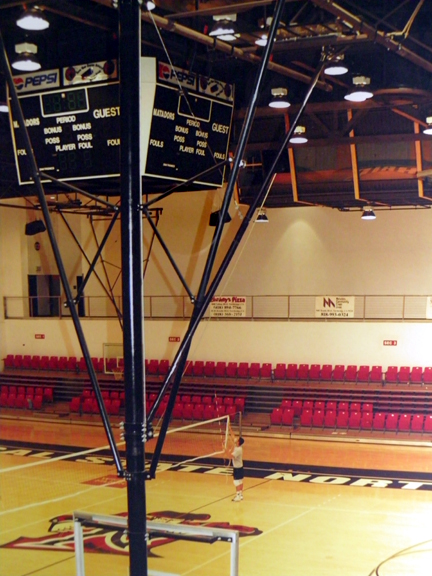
{"points": [[369, 153]]}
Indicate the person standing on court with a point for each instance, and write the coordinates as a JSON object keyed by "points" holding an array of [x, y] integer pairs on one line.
{"points": [[236, 455]]}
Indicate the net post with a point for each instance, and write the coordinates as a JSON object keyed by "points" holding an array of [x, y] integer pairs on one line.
{"points": [[79, 547]]}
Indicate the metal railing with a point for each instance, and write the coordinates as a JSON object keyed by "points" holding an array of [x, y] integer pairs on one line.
{"points": [[283, 307]]}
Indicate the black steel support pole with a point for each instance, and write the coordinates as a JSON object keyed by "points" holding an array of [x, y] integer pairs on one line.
{"points": [[57, 256], [132, 280]]}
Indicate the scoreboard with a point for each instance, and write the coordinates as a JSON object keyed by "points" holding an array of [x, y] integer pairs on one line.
{"points": [[72, 117]]}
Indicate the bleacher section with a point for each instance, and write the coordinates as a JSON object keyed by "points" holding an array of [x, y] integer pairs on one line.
{"points": [[287, 396]]}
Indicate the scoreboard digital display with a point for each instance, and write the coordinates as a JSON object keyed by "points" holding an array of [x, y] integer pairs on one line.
{"points": [[73, 121]]}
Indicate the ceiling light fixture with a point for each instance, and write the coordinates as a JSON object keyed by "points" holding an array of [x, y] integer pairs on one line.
{"points": [[26, 60], [335, 65], [368, 214], [215, 217], [299, 135], [428, 130], [225, 27], [33, 19], [279, 99], [262, 216], [360, 92]]}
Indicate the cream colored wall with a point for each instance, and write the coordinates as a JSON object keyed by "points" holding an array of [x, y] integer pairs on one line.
{"points": [[301, 251]]}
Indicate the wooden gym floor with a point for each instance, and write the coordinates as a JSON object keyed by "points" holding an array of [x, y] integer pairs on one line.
{"points": [[311, 507]]}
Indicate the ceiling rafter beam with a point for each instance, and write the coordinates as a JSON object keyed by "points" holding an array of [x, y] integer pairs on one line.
{"points": [[375, 35], [175, 28]]}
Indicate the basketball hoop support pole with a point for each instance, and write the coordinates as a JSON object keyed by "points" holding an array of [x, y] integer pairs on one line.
{"points": [[132, 280]]}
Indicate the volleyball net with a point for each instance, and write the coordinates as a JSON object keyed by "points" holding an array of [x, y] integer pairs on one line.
{"points": [[31, 477]]}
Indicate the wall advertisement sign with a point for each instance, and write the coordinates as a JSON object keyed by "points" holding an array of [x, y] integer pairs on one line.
{"points": [[334, 307], [228, 307]]}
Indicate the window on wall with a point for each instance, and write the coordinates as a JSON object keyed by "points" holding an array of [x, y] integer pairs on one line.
{"points": [[44, 295]]}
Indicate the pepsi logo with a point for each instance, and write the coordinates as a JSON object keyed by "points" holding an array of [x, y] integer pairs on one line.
{"points": [[164, 71], [19, 83]]}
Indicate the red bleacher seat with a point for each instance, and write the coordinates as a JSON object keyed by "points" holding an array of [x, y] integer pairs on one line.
{"points": [[308, 405], [23, 402], [427, 375], [303, 372], [355, 407], [338, 374], [404, 424], [379, 421], [391, 421], [404, 374], [206, 368], [292, 371], [254, 370], [243, 370], [367, 407], [287, 416], [315, 372], [416, 375], [75, 404], [62, 363], [306, 417], [331, 405], [164, 366], [9, 361], [417, 422], [11, 400], [3, 399], [231, 369], [198, 368], [177, 412], [330, 418], [318, 418], [276, 416], [221, 369], [153, 367], [286, 403], [342, 419], [427, 425], [366, 420], [209, 412], [44, 363], [297, 406], [391, 374], [343, 406], [376, 374], [266, 370], [210, 369], [35, 362], [319, 405], [326, 372], [18, 361], [351, 373], [26, 361], [354, 420], [115, 407], [239, 403], [48, 394], [198, 412], [280, 371], [363, 373]]}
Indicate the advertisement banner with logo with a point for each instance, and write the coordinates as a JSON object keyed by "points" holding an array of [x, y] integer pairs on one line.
{"points": [[228, 307], [334, 306]]}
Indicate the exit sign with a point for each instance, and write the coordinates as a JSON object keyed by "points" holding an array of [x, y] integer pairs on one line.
{"points": [[40, 336], [174, 339], [390, 342]]}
